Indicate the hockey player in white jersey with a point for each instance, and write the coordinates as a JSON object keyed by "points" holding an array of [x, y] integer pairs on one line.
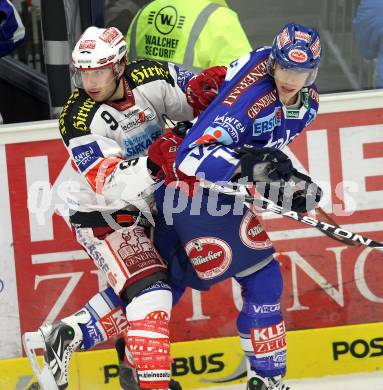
{"points": [[107, 125]]}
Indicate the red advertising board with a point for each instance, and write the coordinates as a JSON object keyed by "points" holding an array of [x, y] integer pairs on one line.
{"points": [[326, 283]]}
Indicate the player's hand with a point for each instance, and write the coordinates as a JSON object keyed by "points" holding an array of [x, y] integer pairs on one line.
{"points": [[264, 165], [162, 155], [308, 194], [203, 88]]}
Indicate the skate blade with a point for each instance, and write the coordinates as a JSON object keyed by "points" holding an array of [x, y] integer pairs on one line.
{"points": [[31, 342]]}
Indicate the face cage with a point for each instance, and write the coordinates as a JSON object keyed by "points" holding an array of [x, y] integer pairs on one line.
{"points": [[76, 73], [312, 73]]}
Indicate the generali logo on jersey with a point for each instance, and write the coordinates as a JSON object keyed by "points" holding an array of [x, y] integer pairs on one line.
{"points": [[261, 103], [255, 74]]}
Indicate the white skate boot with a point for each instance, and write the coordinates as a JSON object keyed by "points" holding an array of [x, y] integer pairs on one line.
{"points": [[260, 383], [58, 341]]}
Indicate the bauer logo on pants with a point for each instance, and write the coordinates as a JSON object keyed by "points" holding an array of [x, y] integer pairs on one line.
{"points": [[210, 256]]}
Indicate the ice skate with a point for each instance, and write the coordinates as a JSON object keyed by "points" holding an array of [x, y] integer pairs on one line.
{"points": [[260, 383], [58, 341]]}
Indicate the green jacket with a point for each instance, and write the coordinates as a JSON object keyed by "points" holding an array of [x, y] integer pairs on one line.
{"points": [[196, 34]]}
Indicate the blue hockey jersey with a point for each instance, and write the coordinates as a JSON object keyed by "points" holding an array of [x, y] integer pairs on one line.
{"points": [[247, 110]]}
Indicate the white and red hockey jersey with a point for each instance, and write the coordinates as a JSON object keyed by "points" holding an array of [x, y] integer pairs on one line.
{"points": [[108, 142]]}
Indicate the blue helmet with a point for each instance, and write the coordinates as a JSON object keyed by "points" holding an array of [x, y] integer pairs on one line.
{"points": [[296, 47]]}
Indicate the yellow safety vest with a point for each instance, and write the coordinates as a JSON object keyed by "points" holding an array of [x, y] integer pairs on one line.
{"points": [[196, 34]]}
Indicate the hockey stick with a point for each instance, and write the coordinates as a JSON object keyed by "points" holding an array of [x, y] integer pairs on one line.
{"points": [[328, 219], [333, 231]]}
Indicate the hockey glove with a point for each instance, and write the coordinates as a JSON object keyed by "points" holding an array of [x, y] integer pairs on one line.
{"points": [[307, 194], [299, 194], [162, 155], [265, 164], [203, 88]]}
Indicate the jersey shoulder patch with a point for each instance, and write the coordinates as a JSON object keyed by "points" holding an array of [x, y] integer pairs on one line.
{"points": [[145, 71], [77, 115]]}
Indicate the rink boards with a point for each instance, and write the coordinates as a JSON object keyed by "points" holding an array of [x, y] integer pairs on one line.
{"points": [[204, 363], [44, 274]]}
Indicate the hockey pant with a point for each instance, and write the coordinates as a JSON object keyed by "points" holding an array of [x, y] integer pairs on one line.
{"points": [[260, 323], [139, 298]]}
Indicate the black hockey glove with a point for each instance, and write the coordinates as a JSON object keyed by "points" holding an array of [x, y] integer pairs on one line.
{"points": [[307, 194], [299, 194], [264, 165]]}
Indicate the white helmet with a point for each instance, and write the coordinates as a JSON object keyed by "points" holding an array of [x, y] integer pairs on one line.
{"points": [[98, 48]]}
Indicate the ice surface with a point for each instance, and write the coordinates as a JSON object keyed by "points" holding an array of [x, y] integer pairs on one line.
{"points": [[365, 381]]}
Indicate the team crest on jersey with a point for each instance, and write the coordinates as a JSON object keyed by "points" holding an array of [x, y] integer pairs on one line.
{"points": [[210, 256], [252, 234]]}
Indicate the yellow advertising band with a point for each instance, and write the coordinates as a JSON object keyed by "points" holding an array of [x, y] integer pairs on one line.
{"points": [[204, 363]]}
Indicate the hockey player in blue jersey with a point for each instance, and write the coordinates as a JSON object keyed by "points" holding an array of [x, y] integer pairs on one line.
{"points": [[267, 99]]}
